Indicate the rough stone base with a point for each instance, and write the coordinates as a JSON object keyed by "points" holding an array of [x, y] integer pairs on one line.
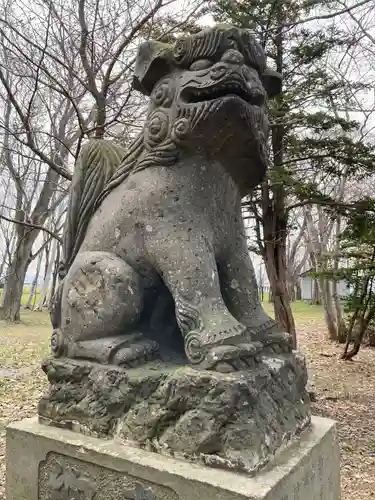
{"points": [[237, 421], [47, 463]]}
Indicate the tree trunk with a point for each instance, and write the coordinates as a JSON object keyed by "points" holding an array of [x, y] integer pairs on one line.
{"points": [[22, 256], [298, 291], [34, 285], [364, 323], [317, 296], [2, 267], [14, 283], [274, 210], [291, 291], [275, 264], [2, 294], [47, 278], [54, 278], [329, 312], [341, 327]]}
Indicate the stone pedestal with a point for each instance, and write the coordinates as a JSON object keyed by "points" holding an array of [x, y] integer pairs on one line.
{"points": [[48, 463], [237, 421]]}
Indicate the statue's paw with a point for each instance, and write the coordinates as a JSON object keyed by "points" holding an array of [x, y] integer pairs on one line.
{"points": [[136, 354], [221, 357], [230, 334], [278, 339], [229, 358]]}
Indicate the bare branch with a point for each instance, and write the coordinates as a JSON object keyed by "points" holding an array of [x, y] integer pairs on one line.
{"points": [[33, 226]]}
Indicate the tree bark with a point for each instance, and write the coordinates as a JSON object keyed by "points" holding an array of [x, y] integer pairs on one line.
{"points": [[14, 283], [275, 213], [275, 265], [54, 278], [298, 291], [47, 277], [341, 327], [317, 296], [329, 312]]}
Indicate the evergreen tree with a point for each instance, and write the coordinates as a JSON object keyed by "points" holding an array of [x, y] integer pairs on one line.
{"points": [[357, 243], [310, 145]]}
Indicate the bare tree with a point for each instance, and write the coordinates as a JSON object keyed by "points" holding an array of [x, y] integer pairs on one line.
{"points": [[296, 252], [65, 75]]}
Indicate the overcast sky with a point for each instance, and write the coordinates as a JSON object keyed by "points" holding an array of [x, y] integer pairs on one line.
{"points": [[358, 68]]}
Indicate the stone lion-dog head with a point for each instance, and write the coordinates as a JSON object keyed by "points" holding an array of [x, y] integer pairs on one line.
{"points": [[208, 94]]}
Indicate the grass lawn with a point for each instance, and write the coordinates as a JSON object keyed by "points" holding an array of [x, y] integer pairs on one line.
{"points": [[26, 294], [344, 390]]}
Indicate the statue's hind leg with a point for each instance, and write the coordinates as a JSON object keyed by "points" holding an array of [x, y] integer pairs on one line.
{"points": [[101, 303]]}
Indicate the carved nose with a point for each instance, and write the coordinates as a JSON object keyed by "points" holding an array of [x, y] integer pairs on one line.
{"points": [[218, 71], [232, 56]]}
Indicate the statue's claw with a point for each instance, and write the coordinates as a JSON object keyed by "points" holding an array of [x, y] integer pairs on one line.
{"points": [[224, 357], [280, 338], [233, 357], [234, 353], [136, 354]]}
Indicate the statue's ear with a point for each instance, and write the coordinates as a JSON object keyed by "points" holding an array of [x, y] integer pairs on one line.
{"points": [[272, 82], [152, 63]]}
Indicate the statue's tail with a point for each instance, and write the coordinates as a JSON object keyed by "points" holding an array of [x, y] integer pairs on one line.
{"points": [[95, 166]]}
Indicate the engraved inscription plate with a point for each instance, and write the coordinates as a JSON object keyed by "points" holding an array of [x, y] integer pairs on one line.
{"points": [[65, 483], [66, 478], [142, 493]]}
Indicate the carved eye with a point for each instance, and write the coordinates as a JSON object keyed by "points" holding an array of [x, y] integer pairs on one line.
{"points": [[200, 64], [163, 93]]}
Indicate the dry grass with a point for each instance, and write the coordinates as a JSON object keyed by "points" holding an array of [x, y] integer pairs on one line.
{"points": [[345, 390], [22, 346], [345, 393]]}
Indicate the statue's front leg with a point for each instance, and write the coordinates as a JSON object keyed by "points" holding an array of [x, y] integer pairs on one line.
{"points": [[240, 291], [212, 335]]}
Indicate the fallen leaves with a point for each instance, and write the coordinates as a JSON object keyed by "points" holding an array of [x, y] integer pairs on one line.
{"points": [[344, 391], [22, 346]]}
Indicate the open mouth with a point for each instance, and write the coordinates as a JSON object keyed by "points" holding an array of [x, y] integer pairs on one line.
{"points": [[235, 90]]}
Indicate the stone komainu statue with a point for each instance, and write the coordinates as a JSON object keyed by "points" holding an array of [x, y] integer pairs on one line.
{"points": [[157, 270], [156, 261]]}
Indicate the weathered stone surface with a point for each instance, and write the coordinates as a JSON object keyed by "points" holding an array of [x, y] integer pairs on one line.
{"points": [[235, 420], [46, 463], [156, 262], [157, 275]]}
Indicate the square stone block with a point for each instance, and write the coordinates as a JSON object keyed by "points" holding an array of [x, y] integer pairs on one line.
{"points": [[48, 463]]}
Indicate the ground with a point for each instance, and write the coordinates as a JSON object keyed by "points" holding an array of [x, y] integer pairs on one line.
{"points": [[344, 390]]}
